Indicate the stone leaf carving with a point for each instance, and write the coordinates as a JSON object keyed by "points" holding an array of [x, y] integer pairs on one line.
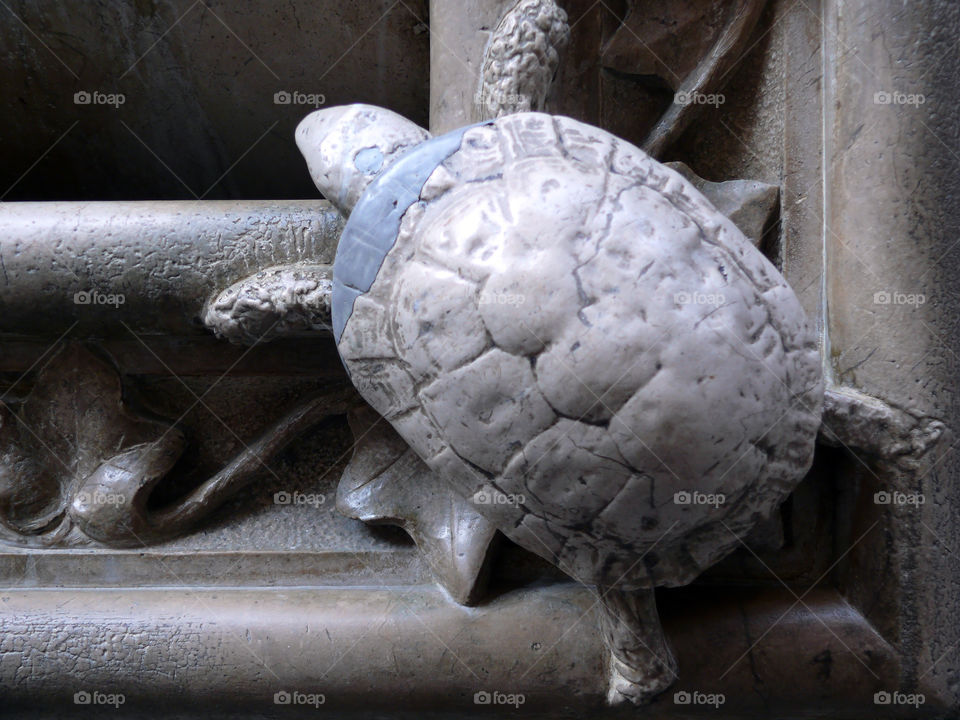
{"points": [[79, 465], [544, 312], [131, 476], [72, 419], [689, 47], [521, 58], [387, 482]]}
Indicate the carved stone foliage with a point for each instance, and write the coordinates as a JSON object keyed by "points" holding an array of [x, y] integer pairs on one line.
{"points": [[645, 71], [53, 441], [690, 47], [80, 462]]}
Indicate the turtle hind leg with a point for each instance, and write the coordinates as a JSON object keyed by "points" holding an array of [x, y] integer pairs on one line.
{"points": [[642, 664]]}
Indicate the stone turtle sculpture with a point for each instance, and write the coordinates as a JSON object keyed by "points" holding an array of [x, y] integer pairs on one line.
{"points": [[568, 331]]}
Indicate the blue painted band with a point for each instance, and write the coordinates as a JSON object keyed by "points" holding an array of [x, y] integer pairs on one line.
{"points": [[374, 224]]}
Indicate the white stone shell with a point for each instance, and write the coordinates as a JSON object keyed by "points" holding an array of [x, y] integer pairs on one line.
{"points": [[568, 323]]}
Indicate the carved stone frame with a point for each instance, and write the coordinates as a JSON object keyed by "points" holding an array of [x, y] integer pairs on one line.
{"points": [[220, 633]]}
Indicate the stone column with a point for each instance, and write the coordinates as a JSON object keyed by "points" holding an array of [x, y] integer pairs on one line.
{"points": [[891, 245]]}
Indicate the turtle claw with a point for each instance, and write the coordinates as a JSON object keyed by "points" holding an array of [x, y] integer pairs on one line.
{"points": [[387, 483], [639, 688], [642, 665]]}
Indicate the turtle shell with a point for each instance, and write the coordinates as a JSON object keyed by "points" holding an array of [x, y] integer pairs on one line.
{"points": [[569, 333]]}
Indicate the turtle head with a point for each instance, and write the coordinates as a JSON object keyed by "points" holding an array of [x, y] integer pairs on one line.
{"points": [[346, 147]]}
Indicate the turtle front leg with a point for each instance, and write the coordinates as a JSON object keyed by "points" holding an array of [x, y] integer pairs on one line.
{"points": [[281, 301], [642, 664]]}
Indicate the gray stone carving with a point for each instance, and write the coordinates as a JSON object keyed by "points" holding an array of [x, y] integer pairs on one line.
{"points": [[751, 205], [387, 482], [347, 147], [280, 301], [57, 437], [521, 58], [273, 594], [852, 419], [80, 464], [689, 47], [557, 321], [112, 503]]}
